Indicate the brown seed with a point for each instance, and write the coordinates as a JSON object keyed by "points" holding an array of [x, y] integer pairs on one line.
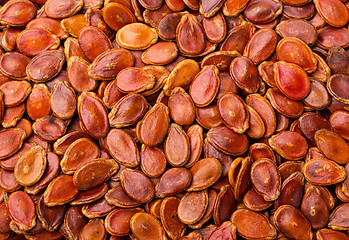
{"points": [[311, 122], [208, 9], [62, 144], [167, 25], [255, 202], [137, 185], [173, 181], [228, 141], [94, 173], [338, 218], [212, 196], [245, 74], [160, 73], [17, 13], [45, 66], [338, 121], [146, 227], [250, 224], [232, 8], [256, 124], [152, 129], [51, 217], [93, 115], [291, 190], [13, 65], [94, 17], [295, 2], [238, 37], [226, 85], [94, 230], [8, 181], [91, 195], [116, 59], [211, 152], [181, 107], [52, 25], [337, 17], [160, 53], [177, 139], [79, 152], [32, 42], [134, 80], [321, 171], [314, 207], [329, 36], [262, 11], [332, 145], [63, 100], [77, 71], [224, 205], [261, 46], [60, 191], [117, 15], [336, 86], [122, 148], [62, 9], [207, 77], [289, 46], [127, 36], [169, 218], [227, 229], [22, 210], [153, 161], [15, 92], [117, 221], [74, 221], [292, 223], [5, 219], [11, 141], [257, 151], [290, 145], [192, 207], [234, 112], [215, 28], [291, 80], [117, 196], [283, 104], [205, 173], [323, 71], [72, 48], [195, 135], [74, 24], [318, 97], [93, 42], [175, 5], [52, 169], [12, 115], [30, 166], [49, 128], [209, 117], [110, 93], [328, 234], [193, 43], [182, 75], [266, 179], [123, 114], [295, 27]]}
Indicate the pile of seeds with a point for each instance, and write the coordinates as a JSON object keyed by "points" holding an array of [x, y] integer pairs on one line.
{"points": [[174, 119]]}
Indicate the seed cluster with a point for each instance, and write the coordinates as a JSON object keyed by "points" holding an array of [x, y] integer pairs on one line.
{"points": [[174, 119]]}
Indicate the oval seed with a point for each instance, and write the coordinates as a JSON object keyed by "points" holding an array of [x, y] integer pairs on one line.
{"points": [[31, 166]]}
